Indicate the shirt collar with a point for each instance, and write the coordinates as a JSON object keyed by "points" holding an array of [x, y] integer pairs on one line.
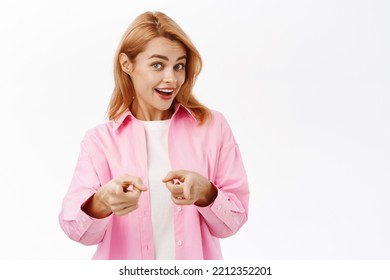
{"points": [[127, 114]]}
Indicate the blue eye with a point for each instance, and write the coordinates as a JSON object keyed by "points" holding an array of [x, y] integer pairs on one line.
{"points": [[157, 66], [179, 66]]}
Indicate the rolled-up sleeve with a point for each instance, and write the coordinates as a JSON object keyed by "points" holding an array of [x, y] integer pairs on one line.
{"points": [[229, 211], [85, 182]]}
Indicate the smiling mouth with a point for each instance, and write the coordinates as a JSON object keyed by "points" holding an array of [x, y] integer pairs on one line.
{"points": [[163, 91]]}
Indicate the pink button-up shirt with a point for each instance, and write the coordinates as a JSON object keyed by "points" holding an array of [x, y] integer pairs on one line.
{"points": [[117, 147]]}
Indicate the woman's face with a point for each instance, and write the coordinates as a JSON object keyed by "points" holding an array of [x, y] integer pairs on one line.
{"points": [[157, 74]]}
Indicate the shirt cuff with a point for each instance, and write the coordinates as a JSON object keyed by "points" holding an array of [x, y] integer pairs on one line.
{"points": [[217, 210], [90, 224]]}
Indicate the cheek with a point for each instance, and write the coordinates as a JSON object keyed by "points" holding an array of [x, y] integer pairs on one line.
{"points": [[181, 78], [146, 81]]}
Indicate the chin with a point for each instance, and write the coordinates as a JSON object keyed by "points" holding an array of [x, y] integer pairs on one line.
{"points": [[164, 107]]}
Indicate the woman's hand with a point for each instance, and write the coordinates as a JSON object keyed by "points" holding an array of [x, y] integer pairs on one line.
{"points": [[188, 187], [119, 196]]}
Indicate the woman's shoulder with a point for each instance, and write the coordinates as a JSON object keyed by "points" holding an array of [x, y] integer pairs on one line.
{"points": [[217, 118], [217, 115], [110, 127], [100, 131]]}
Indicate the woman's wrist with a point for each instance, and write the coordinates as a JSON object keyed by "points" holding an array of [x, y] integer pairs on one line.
{"points": [[95, 208], [209, 196]]}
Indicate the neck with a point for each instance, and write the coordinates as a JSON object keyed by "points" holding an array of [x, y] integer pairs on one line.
{"points": [[149, 115]]}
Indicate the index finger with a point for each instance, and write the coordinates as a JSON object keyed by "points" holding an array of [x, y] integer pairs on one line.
{"points": [[127, 180], [175, 174]]}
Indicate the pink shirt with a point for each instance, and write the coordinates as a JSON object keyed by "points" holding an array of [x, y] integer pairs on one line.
{"points": [[117, 147]]}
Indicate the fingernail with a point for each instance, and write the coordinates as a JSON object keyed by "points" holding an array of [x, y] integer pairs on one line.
{"points": [[176, 181]]}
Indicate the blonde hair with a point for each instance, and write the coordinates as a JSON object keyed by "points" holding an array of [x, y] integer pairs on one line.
{"points": [[144, 28]]}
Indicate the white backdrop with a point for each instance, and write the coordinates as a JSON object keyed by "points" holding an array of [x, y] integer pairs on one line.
{"points": [[304, 85]]}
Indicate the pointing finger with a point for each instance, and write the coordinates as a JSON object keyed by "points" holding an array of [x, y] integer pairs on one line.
{"points": [[176, 174], [126, 181]]}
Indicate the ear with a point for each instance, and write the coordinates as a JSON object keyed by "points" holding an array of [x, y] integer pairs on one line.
{"points": [[126, 64]]}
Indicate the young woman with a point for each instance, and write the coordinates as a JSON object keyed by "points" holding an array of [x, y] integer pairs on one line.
{"points": [[163, 178]]}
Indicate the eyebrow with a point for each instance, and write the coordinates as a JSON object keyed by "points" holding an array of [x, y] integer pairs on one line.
{"points": [[166, 58]]}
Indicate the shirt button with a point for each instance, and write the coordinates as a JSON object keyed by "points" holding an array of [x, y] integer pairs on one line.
{"points": [[219, 206], [178, 208], [179, 243]]}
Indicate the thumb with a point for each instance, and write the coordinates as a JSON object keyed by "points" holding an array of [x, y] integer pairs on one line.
{"points": [[135, 182], [140, 186], [171, 175]]}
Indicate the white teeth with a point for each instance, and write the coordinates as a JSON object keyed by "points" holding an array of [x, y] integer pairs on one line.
{"points": [[166, 90]]}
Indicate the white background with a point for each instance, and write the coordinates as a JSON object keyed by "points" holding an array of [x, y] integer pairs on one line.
{"points": [[304, 85]]}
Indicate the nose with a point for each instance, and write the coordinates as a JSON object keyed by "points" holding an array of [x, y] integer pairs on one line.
{"points": [[169, 76]]}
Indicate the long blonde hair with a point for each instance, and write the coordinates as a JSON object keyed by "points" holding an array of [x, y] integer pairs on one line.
{"points": [[144, 28]]}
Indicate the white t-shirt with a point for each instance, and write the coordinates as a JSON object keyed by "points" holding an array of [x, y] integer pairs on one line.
{"points": [[160, 197]]}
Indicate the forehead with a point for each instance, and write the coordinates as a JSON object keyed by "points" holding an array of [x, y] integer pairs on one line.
{"points": [[163, 46]]}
